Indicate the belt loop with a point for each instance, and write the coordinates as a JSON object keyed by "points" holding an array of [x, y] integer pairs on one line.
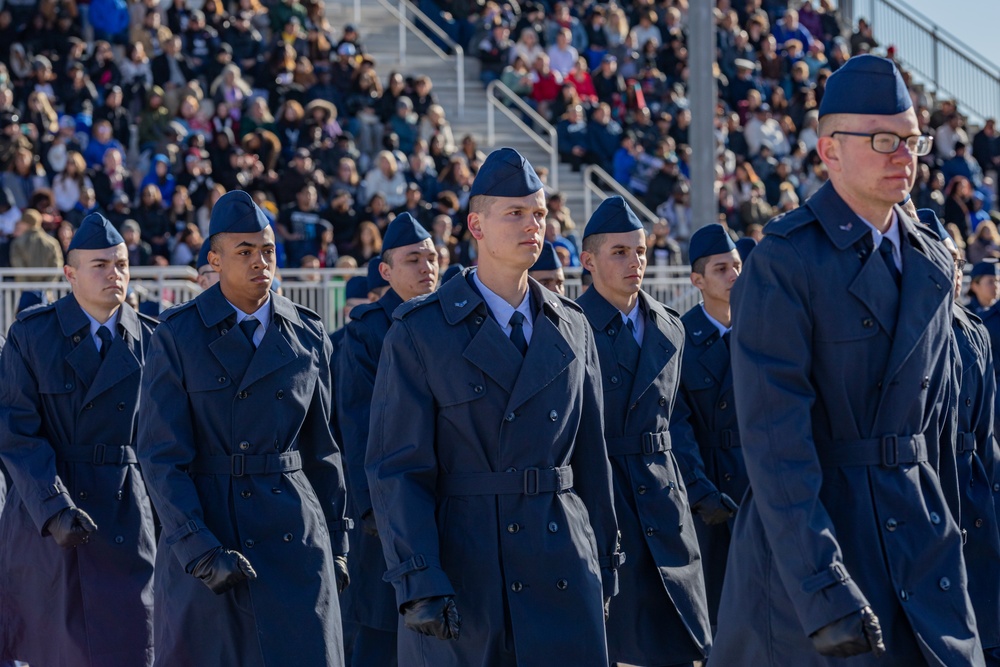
{"points": [[531, 481], [648, 446], [99, 452], [238, 465], [890, 451], [727, 439]]}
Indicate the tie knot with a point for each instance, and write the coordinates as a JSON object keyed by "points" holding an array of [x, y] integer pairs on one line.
{"points": [[249, 327], [104, 334], [516, 319], [629, 324]]}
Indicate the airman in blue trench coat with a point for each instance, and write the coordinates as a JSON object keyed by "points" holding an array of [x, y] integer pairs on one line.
{"points": [[242, 467], [486, 458], [69, 595], [660, 616], [710, 439], [845, 544], [409, 260]]}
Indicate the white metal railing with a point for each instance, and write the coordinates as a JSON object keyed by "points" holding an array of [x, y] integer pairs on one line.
{"points": [[590, 188], [321, 290], [497, 97], [400, 12]]}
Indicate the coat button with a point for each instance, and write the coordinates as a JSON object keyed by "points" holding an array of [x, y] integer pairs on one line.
{"points": [[69, 385], [650, 531], [119, 539], [225, 331], [76, 339], [553, 415], [614, 379], [512, 469], [242, 394], [904, 595], [280, 394], [611, 331], [509, 417], [708, 380], [641, 489], [478, 389], [553, 527], [479, 320], [513, 528], [246, 493], [89, 406], [926, 382], [945, 583], [119, 495], [244, 445], [663, 400], [516, 586], [891, 525], [287, 537], [723, 405], [868, 323], [968, 402], [728, 477], [978, 523], [996, 487], [248, 544], [121, 407], [562, 584], [83, 495], [935, 519], [222, 379]]}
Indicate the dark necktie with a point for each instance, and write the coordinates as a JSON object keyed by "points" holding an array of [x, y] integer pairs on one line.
{"points": [[630, 327], [885, 249], [249, 327], [517, 332], [726, 336], [105, 335]]}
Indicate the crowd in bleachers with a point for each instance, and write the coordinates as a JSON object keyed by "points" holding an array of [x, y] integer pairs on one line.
{"points": [[148, 113]]}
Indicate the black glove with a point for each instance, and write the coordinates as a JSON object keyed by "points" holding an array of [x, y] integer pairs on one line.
{"points": [[70, 527], [607, 609], [436, 617], [340, 570], [851, 635], [368, 525], [221, 569], [716, 508]]}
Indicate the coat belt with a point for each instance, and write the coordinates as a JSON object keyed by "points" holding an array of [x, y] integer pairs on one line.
{"points": [[889, 451], [724, 439], [238, 465], [644, 443], [99, 454], [966, 442], [529, 482]]}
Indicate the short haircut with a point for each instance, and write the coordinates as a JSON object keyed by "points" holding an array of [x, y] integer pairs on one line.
{"points": [[481, 204], [698, 266], [829, 123], [387, 256], [593, 243], [215, 242]]}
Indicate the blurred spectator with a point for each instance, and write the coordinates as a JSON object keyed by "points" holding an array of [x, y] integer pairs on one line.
{"points": [[385, 177], [32, 247], [139, 252]]}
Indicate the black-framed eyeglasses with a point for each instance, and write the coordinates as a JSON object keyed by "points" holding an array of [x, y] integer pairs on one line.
{"points": [[888, 142]]}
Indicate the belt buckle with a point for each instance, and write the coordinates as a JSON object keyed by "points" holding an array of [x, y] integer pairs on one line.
{"points": [[648, 444], [99, 453], [727, 439], [890, 451], [531, 481], [238, 467]]}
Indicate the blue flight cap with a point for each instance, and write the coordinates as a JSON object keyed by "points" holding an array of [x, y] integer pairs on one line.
{"points": [[929, 218], [987, 267], [744, 246], [613, 216], [237, 213], [548, 260], [709, 240], [356, 288], [375, 279], [866, 84], [95, 233], [403, 230], [505, 173], [203, 254], [452, 271]]}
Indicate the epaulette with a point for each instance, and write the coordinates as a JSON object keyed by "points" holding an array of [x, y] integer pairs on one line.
{"points": [[309, 312], [174, 310], [34, 311], [408, 307], [925, 230], [363, 309], [146, 319], [786, 223]]}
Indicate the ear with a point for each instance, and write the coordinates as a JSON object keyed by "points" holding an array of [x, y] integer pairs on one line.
{"points": [[385, 271], [829, 151], [214, 260], [475, 224], [697, 280], [70, 273], [587, 260]]}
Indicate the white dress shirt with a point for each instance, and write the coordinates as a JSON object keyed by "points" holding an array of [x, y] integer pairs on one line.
{"points": [[502, 310]]}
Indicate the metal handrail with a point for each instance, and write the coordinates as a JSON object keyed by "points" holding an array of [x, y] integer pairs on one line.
{"points": [[493, 103], [405, 23], [590, 189]]}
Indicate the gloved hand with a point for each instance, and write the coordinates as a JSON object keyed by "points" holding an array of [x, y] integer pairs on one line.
{"points": [[340, 570], [368, 525], [70, 527], [435, 616], [607, 609], [221, 569], [716, 508], [851, 635]]}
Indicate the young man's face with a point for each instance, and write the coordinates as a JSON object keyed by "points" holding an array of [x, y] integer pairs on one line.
{"points": [[245, 263], [510, 230], [414, 269], [554, 280], [618, 264], [721, 272], [99, 277]]}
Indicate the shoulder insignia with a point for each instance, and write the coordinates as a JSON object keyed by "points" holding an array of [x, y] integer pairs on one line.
{"points": [[786, 223], [407, 307], [146, 319], [312, 314], [363, 309], [174, 310], [34, 311]]}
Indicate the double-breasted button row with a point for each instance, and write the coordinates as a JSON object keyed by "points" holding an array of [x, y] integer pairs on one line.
{"points": [[517, 586], [513, 528], [244, 445], [242, 395], [510, 417]]}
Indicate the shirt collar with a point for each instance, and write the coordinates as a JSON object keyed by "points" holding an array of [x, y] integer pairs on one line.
{"points": [[632, 315], [499, 307], [262, 314], [892, 233], [723, 329], [95, 325]]}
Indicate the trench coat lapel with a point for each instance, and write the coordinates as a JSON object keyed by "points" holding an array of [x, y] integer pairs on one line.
{"points": [[274, 351], [713, 355], [120, 362], [231, 348], [548, 355], [84, 358], [656, 350]]}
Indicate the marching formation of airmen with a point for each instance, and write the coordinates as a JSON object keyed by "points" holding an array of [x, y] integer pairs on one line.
{"points": [[478, 471]]}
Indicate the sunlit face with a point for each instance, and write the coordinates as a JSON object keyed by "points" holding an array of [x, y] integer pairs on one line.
{"points": [[99, 278], [510, 230], [986, 289], [721, 272], [618, 264], [414, 269], [245, 263]]}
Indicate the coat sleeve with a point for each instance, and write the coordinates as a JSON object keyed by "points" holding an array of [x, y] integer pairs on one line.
{"points": [[321, 460], [686, 452], [166, 447], [592, 470], [355, 388], [774, 400], [28, 456], [401, 464]]}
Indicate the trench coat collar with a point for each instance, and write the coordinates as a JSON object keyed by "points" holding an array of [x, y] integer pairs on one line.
{"points": [[838, 220], [389, 302], [657, 349], [713, 356], [459, 300], [121, 361], [84, 358], [599, 311]]}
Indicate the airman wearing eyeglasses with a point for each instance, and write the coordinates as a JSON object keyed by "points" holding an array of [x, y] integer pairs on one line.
{"points": [[847, 543]]}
